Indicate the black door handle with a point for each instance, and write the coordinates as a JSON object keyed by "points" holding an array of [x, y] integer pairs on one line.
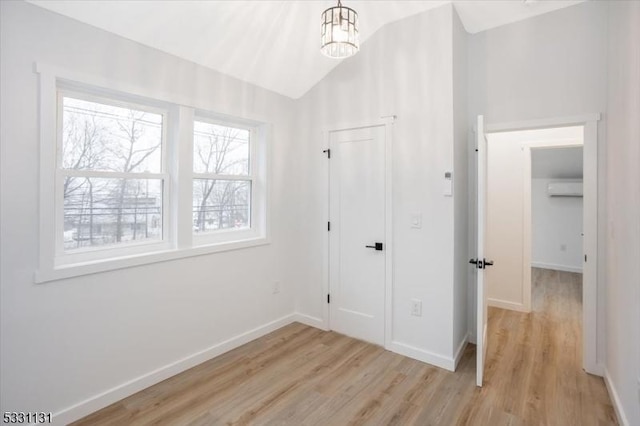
{"points": [[481, 264], [377, 246]]}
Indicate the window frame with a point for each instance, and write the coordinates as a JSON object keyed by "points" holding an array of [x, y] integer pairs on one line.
{"points": [[178, 239], [88, 254], [221, 235]]}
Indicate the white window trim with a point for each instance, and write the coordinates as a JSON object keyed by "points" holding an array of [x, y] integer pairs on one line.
{"points": [[257, 139], [178, 239], [90, 254]]}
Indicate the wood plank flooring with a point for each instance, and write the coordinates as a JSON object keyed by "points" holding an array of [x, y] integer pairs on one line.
{"points": [[299, 375]]}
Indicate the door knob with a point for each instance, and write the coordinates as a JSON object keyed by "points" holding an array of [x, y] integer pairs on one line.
{"points": [[377, 246], [481, 264]]}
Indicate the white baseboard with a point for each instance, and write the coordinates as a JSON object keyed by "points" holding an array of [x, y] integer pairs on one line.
{"points": [[555, 267], [615, 399], [310, 321], [596, 370], [504, 304], [460, 351], [117, 393], [422, 355]]}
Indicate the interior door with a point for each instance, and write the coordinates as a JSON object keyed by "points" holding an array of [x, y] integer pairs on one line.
{"points": [[481, 263], [357, 232]]}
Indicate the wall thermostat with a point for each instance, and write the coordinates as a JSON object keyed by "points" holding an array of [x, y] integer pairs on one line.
{"points": [[448, 184]]}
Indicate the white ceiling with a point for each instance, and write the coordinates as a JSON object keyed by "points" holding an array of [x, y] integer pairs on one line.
{"points": [[272, 44], [556, 163]]}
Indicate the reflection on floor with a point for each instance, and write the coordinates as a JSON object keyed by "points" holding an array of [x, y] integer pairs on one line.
{"points": [[299, 375]]}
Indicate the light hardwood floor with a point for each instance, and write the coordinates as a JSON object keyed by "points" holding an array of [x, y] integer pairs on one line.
{"points": [[299, 375]]}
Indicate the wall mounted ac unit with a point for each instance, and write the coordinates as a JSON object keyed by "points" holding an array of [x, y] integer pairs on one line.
{"points": [[565, 189]]}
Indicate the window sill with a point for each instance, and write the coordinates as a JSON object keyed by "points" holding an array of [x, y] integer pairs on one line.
{"points": [[105, 265]]}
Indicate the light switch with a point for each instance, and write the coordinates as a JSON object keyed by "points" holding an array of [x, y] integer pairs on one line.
{"points": [[416, 220]]}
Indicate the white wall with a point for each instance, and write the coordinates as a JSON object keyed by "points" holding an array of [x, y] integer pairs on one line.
{"points": [[66, 341], [623, 191], [556, 229], [552, 65], [404, 69], [504, 236]]}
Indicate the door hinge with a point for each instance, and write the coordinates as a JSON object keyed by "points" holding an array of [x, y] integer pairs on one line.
{"points": [[328, 152], [328, 226], [328, 298], [585, 257]]}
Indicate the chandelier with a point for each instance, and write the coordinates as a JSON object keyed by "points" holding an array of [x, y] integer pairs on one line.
{"points": [[339, 32]]}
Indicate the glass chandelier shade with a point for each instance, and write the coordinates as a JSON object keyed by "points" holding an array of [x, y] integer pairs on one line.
{"points": [[339, 32]]}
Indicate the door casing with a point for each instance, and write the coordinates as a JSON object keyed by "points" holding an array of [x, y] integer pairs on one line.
{"points": [[388, 123], [592, 340]]}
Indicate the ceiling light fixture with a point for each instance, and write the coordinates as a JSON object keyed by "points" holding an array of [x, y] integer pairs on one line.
{"points": [[339, 32]]}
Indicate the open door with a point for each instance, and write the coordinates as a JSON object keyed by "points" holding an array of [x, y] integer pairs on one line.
{"points": [[480, 262]]}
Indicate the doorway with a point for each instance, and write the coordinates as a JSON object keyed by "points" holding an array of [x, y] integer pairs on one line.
{"points": [[358, 232], [512, 254], [556, 221]]}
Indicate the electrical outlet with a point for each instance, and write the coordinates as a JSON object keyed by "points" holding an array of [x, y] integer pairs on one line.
{"points": [[416, 307], [416, 220], [276, 287]]}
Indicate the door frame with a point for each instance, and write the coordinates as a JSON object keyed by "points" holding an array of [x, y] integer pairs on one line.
{"points": [[591, 295], [388, 123]]}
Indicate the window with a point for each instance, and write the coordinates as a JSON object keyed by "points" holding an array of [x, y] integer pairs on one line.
{"points": [[126, 180], [110, 174], [222, 177]]}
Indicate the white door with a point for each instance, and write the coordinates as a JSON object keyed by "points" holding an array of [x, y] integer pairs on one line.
{"points": [[357, 232], [480, 262]]}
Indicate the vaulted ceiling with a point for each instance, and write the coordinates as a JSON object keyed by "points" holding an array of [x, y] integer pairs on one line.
{"points": [[272, 44]]}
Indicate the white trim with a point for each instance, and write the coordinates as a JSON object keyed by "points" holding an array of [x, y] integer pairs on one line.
{"points": [[259, 207], [460, 351], [448, 363], [311, 321], [591, 339], [112, 175], [79, 91], [505, 304], [387, 122], [48, 103], [554, 267], [527, 227], [213, 176], [577, 120], [591, 287], [181, 171], [388, 285], [75, 270], [119, 392], [615, 399], [326, 215]]}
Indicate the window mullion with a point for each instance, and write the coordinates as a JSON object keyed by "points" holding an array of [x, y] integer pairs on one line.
{"points": [[181, 166], [112, 175], [222, 177]]}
